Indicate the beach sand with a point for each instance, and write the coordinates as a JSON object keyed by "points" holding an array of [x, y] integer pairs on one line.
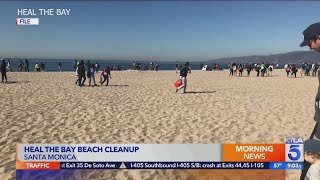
{"points": [[142, 107]]}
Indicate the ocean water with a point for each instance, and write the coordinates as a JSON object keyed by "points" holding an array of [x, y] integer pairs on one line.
{"points": [[68, 65]]}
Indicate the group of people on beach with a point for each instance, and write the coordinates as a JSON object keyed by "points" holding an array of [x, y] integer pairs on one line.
{"points": [[91, 70], [151, 66], [21, 66], [306, 69], [263, 69], [291, 69], [312, 69], [24, 66]]}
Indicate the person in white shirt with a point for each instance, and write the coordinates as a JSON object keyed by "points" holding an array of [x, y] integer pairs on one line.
{"points": [[270, 68], [9, 66], [313, 68]]}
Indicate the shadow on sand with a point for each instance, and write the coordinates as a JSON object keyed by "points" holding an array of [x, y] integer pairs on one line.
{"points": [[103, 85], [16, 82], [294, 77], [199, 92], [119, 85], [256, 76]]}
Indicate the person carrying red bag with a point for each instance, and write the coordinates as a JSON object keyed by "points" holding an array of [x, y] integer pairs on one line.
{"points": [[183, 76]]}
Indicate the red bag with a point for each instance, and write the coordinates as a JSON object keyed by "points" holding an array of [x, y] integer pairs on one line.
{"points": [[178, 83]]}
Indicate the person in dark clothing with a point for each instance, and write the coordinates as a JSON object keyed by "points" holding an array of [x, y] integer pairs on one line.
{"points": [[294, 70], [258, 69], [312, 39], [75, 64], [106, 74], [88, 64], [60, 66], [231, 70], [81, 73], [249, 69], [240, 69], [3, 71], [20, 66], [26, 69], [183, 76], [42, 67]]}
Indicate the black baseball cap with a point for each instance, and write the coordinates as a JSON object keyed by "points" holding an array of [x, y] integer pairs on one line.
{"points": [[312, 145], [309, 33]]}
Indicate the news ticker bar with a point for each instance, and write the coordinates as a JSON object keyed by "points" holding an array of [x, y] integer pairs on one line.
{"points": [[163, 165]]}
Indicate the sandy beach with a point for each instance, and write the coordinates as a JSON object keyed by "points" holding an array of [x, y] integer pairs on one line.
{"points": [[142, 107]]}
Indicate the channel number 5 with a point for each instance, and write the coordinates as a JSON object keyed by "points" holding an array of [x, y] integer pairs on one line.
{"points": [[294, 153]]}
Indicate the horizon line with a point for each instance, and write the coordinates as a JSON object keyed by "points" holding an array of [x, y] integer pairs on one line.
{"points": [[142, 58]]}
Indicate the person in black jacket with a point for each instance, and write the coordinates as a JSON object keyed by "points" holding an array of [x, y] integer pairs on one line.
{"points": [[312, 39], [3, 70], [81, 73], [27, 66], [183, 76]]}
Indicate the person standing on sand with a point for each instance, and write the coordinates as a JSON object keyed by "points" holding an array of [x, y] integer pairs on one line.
{"points": [[262, 69], [75, 64], [308, 70], [91, 72], [27, 66], [77, 73], [183, 76], [231, 70], [240, 70], [294, 70], [312, 39], [20, 65], [81, 73], [3, 71], [313, 69], [9, 66], [88, 69], [270, 70], [37, 67], [267, 69], [303, 69], [234, 66], [60, 66], [249, 68], [42, 66], [258, 69], [97, 67], [106, 74], [288, 69]]}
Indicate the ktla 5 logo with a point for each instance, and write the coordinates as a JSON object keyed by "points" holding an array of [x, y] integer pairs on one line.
{"points": [[294, 153]]}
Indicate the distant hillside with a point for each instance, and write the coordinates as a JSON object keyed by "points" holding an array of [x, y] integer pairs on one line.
{"points": [[290, 57]]}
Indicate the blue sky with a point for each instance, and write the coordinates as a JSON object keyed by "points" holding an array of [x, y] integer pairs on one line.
{"points": [[161, 30]]}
